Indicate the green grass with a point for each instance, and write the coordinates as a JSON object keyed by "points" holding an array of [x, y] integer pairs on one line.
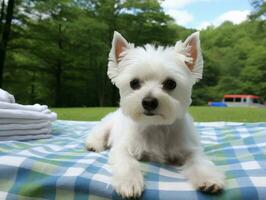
{"points": [[206, 114], [82, 114], [200, 114]]}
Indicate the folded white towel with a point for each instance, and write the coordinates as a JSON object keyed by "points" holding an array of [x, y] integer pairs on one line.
{"points": [[26, 132], [35, 107], [6, 97], [22, 121], [34, 126], [25, 137], [24, 114]]}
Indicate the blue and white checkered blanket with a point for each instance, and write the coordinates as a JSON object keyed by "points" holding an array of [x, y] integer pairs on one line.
{"points": [[60, 167]]}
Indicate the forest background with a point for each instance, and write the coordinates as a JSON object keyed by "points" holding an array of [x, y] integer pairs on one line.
{"points": [[55, 51]]}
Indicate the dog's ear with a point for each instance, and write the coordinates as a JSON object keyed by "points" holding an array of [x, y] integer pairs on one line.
{"points": [[119, 44], [193, 51]]}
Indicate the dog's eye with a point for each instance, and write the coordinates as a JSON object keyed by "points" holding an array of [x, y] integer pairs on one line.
{"points": [[169, 84], [135, 84]]}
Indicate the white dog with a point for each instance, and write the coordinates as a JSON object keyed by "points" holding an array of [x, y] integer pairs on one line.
{"points": [[152, 122]]}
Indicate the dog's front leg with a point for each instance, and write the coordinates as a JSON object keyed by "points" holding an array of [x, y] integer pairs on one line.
{"points": [[203, 174], [127, 178]]}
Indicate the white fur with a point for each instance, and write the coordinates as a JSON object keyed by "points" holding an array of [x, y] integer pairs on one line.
{"points": [[168, 135]]}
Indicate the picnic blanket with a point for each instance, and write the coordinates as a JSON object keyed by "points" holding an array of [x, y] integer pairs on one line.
{"points": [[60, 167]]}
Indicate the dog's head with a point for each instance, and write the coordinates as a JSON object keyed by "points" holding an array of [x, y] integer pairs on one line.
{"points": [[155, 83]]}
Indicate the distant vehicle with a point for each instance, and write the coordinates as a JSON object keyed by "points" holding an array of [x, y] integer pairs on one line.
{"points": [[239, 100]]}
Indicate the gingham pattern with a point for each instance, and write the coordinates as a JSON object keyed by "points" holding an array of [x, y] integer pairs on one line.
{"points": [[60, 167]]}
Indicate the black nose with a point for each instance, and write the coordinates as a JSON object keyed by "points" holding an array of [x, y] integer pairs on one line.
{"points": [[150, 103]]}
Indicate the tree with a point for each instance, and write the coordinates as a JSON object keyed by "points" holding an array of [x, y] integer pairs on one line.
{"points": [[254, 73], [2, 15], [259, 8], [5, 34], [57, 51]]}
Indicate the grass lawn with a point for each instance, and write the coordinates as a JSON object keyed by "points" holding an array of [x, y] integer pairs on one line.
{"points": [[200, 114]]}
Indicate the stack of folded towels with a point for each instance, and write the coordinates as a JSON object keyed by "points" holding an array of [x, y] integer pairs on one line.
{"points": [[23, 122]]}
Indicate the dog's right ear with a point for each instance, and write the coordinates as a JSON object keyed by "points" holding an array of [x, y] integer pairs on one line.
{"points": [[119, 45]]}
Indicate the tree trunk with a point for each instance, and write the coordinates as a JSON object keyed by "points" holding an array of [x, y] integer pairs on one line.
{"points": [[32, 91], [2, 15], [58, 84], [5, 37], [58, 71], [112, 27]]}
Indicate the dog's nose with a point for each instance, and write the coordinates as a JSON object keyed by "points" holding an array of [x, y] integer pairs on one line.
{"points": [[150, 103]]}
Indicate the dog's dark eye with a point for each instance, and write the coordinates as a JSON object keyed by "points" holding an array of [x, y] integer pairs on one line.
{"points": [[169, 84], [135, 84]]}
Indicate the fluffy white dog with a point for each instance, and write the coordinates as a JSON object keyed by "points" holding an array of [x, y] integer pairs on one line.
{"points": [[152, 122]]}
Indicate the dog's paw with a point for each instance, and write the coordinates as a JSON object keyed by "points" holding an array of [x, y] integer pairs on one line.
{"points": [[94, 144], [210, 183], [206, 178], [211, 186], [130, 186]]}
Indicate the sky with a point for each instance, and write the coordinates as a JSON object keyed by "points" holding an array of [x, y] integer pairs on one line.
{"points": [[199, 14]]}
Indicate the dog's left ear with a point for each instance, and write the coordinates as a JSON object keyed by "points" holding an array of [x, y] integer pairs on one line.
{"points": [[193, 51], [119, 45]]}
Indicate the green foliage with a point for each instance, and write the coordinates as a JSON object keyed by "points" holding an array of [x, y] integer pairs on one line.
{"points": [[234, 61], [260, 8], [58, 50]]}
